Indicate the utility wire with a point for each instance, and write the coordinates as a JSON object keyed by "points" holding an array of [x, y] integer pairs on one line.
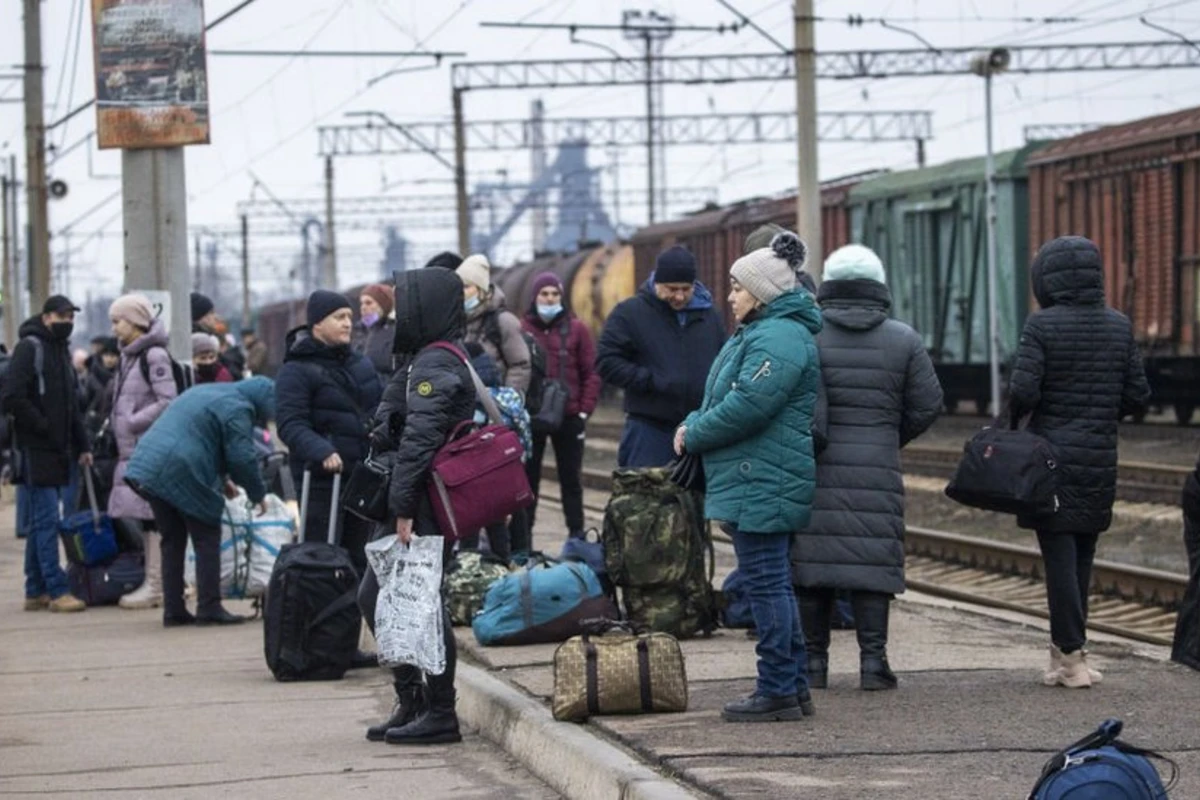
{"points": [[1170, 32], [745, 20]]}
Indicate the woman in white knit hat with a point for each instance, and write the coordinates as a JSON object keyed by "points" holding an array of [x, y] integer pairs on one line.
{"points": [[753, 433], [144, 387], [881, 392], [490, 324]]}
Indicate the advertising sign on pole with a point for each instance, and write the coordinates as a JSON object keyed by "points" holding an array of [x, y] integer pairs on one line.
{"points": [[151, 81], [160, 301]]}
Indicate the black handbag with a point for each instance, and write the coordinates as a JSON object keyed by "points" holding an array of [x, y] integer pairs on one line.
{"points": [[555, 394], [366, 492], [1007, 470], [687, 472]]}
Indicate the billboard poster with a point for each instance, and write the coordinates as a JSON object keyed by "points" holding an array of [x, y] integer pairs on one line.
{"points": [[151, 82]]}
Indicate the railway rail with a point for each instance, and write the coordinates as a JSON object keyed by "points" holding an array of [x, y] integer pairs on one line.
{"points": [[1132, 602]]}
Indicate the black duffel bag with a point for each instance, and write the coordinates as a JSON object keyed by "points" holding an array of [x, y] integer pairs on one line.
{"points": [[1011, 471]]}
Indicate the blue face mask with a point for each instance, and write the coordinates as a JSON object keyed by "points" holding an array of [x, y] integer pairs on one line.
{"points": [[471, 303], [549, 312]]}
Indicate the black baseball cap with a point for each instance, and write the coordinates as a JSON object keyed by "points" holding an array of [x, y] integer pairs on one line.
{"points": [[59, 304]]}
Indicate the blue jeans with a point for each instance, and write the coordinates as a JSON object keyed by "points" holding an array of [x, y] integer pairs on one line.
{"points": [[782, 660], [39, 519], [644, 444]]}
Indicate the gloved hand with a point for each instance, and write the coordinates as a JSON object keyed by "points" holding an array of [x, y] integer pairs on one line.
{"points": [[381, 438]]}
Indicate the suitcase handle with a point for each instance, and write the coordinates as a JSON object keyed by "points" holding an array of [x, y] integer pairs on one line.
{"points": [[334, 507], [91, 493]]}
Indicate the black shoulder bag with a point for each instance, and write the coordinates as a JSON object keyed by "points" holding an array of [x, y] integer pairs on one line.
{"points": [[555, 394], [1009, 470]]}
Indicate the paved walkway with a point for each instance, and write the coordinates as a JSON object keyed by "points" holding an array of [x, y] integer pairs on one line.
{"points": [[109, 704]]}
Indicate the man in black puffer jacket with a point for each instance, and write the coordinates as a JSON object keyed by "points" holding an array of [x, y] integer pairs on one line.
{"points": [[1078, 372], [325, 394], [429, 395]]}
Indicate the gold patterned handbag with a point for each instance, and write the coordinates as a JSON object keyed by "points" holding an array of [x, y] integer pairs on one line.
{"points": [[618, 673]]}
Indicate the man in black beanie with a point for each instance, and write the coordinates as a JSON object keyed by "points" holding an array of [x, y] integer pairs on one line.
{"points": [[445, 260], [658, 346]]}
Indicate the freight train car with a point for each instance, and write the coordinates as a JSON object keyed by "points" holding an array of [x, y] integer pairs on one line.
{"points": [[717, 237], [929, 226], [1134, 189]]}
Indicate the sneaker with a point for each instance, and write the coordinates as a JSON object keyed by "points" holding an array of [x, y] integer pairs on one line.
{"points": [[142, 597], [1051, 676], [759, 708], [1072, 672], [68, 602], [37, 603]]}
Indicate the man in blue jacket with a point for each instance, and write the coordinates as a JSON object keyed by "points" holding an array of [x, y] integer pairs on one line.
{"points": [[658, 346], [325, 394]]}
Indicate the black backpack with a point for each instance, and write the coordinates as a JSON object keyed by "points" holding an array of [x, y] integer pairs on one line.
{"points": [[182, 374], [537, 360]]}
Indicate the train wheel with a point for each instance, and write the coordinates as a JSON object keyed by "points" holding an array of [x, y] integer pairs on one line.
{"points": [[1183, 413]]}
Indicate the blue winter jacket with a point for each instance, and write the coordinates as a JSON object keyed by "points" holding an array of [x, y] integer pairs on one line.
{"points": [[202, 437], [754, 427]]}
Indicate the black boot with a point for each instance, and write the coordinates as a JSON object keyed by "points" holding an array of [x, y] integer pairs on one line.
{"points": [[871, 621], [364, 660], [410, 703], [759, 708], [816, 606], [439, 723], [804, 698], [220, 617], [178, 619]]}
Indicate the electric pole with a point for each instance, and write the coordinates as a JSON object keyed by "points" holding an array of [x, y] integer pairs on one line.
{"points": [[329, 279], [649, 126], [11, 307], [460, 175], [245, 273], [35, 158], [537, 153], [808, 189]]}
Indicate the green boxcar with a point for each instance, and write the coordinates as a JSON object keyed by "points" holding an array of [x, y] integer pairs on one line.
{"points": [[929, 227]]}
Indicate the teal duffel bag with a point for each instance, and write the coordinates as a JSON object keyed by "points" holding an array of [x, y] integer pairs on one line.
{"points": [[541, 604]]}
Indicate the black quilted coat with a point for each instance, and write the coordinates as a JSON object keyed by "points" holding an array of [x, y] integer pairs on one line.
{"points": [[1078, 371]]}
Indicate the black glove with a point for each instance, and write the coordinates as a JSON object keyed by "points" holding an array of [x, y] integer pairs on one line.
{"points": [[381, 438]]}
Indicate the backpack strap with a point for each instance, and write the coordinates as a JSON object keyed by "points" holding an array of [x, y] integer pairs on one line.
{"points": [[481, 392], [564, 330]]}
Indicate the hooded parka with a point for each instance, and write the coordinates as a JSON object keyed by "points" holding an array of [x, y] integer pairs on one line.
{"points": [[204, 436], [499, 331], [1078, 371], [881, 393], [431, 391], [137, 404], [753, 429]]}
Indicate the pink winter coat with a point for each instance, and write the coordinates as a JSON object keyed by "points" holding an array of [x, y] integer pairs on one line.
{"points": [[137, 403]]}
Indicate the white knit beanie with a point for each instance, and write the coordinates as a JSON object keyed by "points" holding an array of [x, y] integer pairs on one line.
{"points": [[476, 271], [133, 308], [854, 262], [769, 272]]}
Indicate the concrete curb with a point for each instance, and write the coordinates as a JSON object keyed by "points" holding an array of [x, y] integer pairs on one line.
{"points": [[572, 761]]}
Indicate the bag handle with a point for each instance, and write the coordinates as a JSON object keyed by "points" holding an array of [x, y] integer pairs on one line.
{"points": [[91, 493], [481, 391]]}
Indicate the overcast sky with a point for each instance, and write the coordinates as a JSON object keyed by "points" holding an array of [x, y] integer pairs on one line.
{"points": [[265, 111]]}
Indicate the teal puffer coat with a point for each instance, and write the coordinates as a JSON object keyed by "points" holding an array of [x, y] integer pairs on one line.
{"points": [[754, 427], [201, 438]]}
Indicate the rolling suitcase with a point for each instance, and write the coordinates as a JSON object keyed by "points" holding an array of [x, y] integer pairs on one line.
{"points": [[311, 618]]}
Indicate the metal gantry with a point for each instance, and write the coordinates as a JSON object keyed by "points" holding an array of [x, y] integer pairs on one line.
{"points": [[624, 131], [831, 65], [1063, 130]]}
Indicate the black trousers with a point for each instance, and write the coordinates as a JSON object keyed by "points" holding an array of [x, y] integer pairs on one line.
{"points": [[569, 442], [206, 541], [353, 532], [368, 596], [1068, 560]]}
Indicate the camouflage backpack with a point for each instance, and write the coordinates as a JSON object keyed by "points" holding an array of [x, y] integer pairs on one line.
{"points": [[467, 581], [658, 551]]}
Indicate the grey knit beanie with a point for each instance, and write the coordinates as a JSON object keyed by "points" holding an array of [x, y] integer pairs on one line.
{"points": [[769, 272]]}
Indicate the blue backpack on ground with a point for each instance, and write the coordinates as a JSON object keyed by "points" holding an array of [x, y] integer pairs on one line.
{"points": [[541, 604], [88, 536], [1100, 767], [736, 613]]}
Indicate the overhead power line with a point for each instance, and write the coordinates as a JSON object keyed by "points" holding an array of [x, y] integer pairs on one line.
{"points": [[832, 65], [690, 129], [439, 55]]}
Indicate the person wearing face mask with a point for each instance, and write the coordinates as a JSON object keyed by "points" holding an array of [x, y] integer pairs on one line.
{"points": [[491, 325], [206, 364], [41, 394], [570, 358], [373, 336], [325, 394]]}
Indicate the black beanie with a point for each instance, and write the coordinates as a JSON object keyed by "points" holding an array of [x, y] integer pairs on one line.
{"points": [[445, 259], [675, 265], [201, 305], [322, 303]]}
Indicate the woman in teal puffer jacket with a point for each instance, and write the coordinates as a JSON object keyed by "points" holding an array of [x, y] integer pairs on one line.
{"points": [[753, 434]]}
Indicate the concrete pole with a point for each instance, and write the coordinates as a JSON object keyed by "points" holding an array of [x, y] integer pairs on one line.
{"points": [[808, 196], [245, 272], [154, 198], [460, 175], [329, 277], [35, 157], [537, 151], [993, 315], [20, 302], [649, 59], [11, 306]]}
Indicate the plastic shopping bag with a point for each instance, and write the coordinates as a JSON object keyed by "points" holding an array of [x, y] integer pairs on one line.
{"points": [[267, 534], [408, 613]]}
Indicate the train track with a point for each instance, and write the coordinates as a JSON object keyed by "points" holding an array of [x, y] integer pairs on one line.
{"points": [[1132, 602]]}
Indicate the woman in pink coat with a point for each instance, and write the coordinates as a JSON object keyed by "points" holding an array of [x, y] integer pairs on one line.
{"points": [[143, 387]]}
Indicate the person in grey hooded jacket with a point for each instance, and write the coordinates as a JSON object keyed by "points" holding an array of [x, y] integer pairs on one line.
{"points": [[881, 393]]}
